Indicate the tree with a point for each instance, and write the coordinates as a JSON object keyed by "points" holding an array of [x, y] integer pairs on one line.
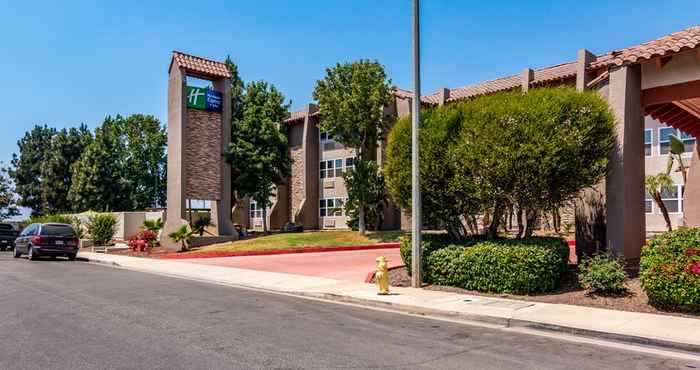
{"points": [[655, 186], [8, 205], [258, 153], [534, 151], [145, 160], [447, 199], [237, 91], [365, 185], [351, 100], [98, 176], [26, 167], [64, 149]]}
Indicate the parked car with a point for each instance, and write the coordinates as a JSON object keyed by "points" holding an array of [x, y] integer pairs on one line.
{"points": [[48, 239], [8, 234]]}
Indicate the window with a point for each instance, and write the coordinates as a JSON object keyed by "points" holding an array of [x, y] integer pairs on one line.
{"points": [[331, 168], [255, 211], [688, 142], [673, 198], [648, 204], [328, 142], [665, 140], [349, 163], [331, 207], [648, 136]]}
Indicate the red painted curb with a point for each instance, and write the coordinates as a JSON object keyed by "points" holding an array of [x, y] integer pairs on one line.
{"points": [[282, 251]]}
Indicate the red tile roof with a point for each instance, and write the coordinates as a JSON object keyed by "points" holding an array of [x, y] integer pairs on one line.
{"points": [[676, 42], [554, 73], [200, 66]]}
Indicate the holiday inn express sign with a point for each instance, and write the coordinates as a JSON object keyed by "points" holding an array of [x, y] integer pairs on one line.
{"points": [[203, 98]]}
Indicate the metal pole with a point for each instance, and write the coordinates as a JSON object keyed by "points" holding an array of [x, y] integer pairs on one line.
{"points": [[415, 158]]}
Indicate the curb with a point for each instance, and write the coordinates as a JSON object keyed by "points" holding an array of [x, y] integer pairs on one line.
{"points": [[505, 322], [283, 251]]}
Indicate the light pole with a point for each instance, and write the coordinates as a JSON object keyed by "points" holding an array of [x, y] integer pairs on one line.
{"points": [[415, 158]]}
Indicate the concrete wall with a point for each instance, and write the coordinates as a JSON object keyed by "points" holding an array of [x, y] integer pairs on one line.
{"points": [[128, 223], [681, 68]]}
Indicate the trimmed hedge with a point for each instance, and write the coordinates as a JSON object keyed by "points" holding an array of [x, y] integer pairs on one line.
{"points": [[670, 270], [429, 244], [504, 266]]}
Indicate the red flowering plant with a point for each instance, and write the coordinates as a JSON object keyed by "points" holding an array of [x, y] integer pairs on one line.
{"points": [[143, 241]]}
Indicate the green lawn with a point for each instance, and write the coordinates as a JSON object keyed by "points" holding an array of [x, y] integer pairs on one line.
{"points": [[305, 239]]}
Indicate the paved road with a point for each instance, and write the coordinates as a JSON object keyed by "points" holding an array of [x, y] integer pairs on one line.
{"points": [[345, 265], [73, 315]]}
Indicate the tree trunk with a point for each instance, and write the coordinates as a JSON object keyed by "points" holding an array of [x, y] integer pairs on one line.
{"points": [[521, 227], [556, 220], [264, 219], [531, 219], [664, 210], [361, 220], [495, 221]]}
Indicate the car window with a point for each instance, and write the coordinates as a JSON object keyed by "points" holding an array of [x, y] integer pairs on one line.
{"points": [[57, 230], [28, 230]]}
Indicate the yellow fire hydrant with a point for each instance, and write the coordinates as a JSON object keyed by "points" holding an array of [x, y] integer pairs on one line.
{"points": [[382, 276]]}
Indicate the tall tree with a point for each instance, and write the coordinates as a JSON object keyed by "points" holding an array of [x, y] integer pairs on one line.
{"points": [[98, 181], [26, 167], [258, 153], [351, 100], [65, 148], [8, 205], [237, 91], [144, 162]]}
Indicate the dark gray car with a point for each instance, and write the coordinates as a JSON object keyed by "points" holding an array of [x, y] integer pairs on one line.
{"points": [[49, 239]]}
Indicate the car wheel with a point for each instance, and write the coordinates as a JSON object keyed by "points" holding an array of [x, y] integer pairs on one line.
{"points": [[31, 255], [17, 253], [71, 257]]}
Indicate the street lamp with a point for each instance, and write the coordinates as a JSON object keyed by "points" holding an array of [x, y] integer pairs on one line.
{"points": [[415, 159]]}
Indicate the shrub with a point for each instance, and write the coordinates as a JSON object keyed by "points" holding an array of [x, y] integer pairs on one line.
{"points": [[101, 227], [143, 241], [603, 273], [429, 244], [670, 270], [501, 266]]}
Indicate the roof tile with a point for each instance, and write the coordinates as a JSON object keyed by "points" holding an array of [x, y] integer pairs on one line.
{"points": [[200, 66], [686, 39]]}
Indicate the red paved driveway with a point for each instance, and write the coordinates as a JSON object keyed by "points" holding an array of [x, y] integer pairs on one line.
{"points": [[346, 265]]}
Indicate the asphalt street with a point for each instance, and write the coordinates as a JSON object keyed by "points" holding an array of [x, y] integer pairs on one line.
{"points": [[58, 314]]}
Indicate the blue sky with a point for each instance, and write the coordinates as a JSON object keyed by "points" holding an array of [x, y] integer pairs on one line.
{"points": [[68, 62]]}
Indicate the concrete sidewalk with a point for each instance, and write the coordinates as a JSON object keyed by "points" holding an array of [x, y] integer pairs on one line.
{"points": [[669, 332]]}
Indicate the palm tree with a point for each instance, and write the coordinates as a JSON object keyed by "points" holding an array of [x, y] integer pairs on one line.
{"points": [[654, 186], [181, 235], [153, 225]]}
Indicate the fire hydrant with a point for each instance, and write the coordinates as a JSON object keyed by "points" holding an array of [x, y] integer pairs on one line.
{"points": [[382, 276]]}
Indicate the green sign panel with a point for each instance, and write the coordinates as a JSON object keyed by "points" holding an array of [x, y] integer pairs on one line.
{"points": [[203, 98]]}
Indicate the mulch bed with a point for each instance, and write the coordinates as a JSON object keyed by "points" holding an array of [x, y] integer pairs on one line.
{"points": [[634, 300]]}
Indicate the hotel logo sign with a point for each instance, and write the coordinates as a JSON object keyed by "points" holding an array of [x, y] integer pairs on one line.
{"points": [[204, 99]]}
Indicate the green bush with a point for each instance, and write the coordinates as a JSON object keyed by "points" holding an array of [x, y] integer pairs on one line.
{"points": [[670, 270], [502, 266], [603, 273], [101, 227], [429, 244]]}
